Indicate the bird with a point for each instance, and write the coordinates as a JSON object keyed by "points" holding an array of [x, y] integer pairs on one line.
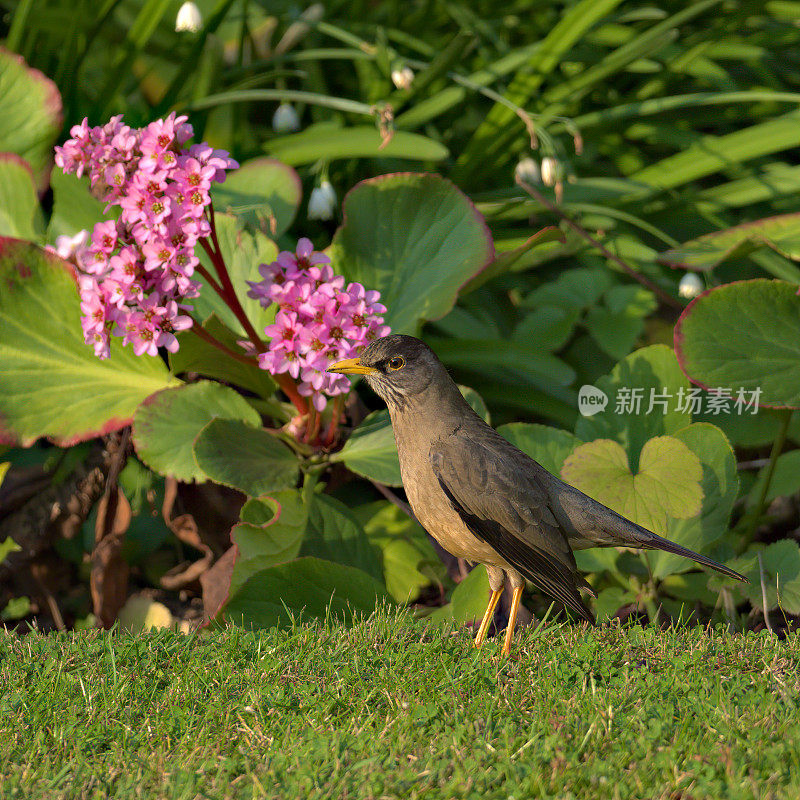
{"points": [[482, 498]]}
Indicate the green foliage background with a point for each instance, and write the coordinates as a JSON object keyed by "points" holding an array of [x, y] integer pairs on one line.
{"points": [[670, 122]]}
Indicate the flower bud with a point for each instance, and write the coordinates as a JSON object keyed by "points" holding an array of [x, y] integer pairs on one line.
{"points": [[403, 78], [690, 286], [527, 171], [322, 202], [189, 18], [67, 246], [550, 170], [285, 119]]}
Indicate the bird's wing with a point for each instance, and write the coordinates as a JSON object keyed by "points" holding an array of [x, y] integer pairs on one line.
{"points": [[501, 503]]}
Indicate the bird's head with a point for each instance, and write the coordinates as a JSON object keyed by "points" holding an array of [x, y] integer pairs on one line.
{"points": [[396, 367]]}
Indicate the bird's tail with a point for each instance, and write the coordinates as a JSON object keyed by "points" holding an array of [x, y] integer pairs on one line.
{"points": [[637, 536]]}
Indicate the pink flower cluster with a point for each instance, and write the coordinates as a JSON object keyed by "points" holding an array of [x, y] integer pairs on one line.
{"points": [[135, 272], [318, 321]]}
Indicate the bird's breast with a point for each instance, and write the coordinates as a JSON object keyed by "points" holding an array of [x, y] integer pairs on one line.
{"points": [[436, 514]]}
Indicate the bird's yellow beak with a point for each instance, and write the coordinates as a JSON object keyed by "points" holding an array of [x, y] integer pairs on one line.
{"points": [[351, 366]]}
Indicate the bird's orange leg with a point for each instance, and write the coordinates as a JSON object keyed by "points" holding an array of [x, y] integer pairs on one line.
{"points": [[512, 619], [487, 617]]}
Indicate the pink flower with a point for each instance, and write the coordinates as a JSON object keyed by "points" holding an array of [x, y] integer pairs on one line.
{"points": [[318, 322], [138, 269]]}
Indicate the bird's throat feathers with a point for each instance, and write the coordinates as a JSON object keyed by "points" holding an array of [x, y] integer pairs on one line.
{"points": [[411, 410]]}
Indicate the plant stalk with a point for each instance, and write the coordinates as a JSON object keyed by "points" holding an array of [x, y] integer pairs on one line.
{"points": [[203, 334], [227, 292], [666, 298], [777, 447]]}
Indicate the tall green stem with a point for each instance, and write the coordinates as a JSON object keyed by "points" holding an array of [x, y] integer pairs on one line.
{"points": [[777, 447]]}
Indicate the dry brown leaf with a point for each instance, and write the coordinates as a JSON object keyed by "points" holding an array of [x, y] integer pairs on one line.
{"points": [[216, 583], [109, 577]]}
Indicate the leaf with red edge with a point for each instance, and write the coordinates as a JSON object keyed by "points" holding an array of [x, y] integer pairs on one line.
{"points": [[744, 337], [781, 233], [51, 383], [31, 114], [20, 213], [168, 422], [414, 237]]}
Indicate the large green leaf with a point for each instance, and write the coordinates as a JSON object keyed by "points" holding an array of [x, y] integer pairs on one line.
{"points": [[414, 237], [666, 485], [549, 446], [744, 337], [51, 383], [333, 533], [20, 214], [243, 252], [371, 450], [263, 192], [782, 234], [74, 206], [649, 374], [168, 422], [469, 600], [304, 588], [245, 458], [197, 355], [720, 486], [357, 142], [30, 110], [270, 531], [409, 561]]}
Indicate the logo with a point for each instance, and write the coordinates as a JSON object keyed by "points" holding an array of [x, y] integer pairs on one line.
{"points": [[591, 400]]}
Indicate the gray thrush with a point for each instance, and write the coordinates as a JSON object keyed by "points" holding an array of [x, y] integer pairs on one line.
{"points": [[483, 499]]}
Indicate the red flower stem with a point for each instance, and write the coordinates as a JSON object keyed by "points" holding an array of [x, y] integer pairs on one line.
{"points": [[333, 427], [308, 437], [208, 278], [228, 294], [203, 334], [315, 423], [289, 388], [226, 291]]}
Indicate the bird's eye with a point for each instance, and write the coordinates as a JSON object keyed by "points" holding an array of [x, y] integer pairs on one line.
{"points": [[398, 362]]}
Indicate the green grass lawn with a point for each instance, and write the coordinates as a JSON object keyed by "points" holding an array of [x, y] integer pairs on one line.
{"points": [[394, 708]]}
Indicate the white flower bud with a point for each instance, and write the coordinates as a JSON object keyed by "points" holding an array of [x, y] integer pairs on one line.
{"points": [[67, 246], [403, 78], [285, 119], [189, 18], [322, 202], [550, 170], [690, 286], [527, 170]]}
